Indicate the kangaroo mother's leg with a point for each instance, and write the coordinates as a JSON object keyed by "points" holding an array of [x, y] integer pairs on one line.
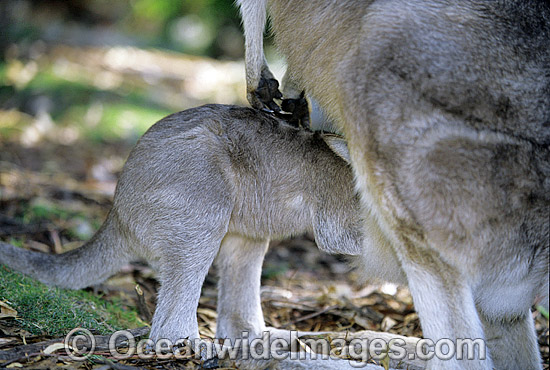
{"points": [[503, 299], [445, 305], [239, 306], [512, 342], [261, 86]]}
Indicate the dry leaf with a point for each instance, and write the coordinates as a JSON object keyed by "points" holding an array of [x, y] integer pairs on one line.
{"points": [[6, 311], [14, 365], [387, 323], [207, 312], [6, 341], [54, 347]]}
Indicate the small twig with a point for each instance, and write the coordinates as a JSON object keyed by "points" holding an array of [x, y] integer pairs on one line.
{"points": [[26, 357], [142, 307], [57, 245], [114, 365], [101, 343], [310, 316]]}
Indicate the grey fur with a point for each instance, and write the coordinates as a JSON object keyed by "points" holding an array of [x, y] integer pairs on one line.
{"points": [[213, 181], [446, 107]]}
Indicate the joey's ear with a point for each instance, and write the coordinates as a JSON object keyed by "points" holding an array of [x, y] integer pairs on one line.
{"points": [[338, 146]]}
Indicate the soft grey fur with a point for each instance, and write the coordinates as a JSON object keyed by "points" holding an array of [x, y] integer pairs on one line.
{"points": [[212, 181], [446, 108]]}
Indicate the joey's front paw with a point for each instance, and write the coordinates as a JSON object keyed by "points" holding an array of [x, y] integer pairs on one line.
{"points": [[299, 109], [262, 97]]}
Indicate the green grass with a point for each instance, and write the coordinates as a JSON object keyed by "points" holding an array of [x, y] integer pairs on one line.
{"points": [[119, 120], [43, 210], [53, 311], [50, 211], [543, 311]]}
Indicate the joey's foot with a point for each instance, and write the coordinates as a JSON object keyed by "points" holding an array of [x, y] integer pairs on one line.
{"points": [[267, 90], [299, 109], [169, 344], [288, 337], [267, 335]]}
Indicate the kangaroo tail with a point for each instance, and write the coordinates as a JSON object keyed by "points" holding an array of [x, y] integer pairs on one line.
{"points": [[90, 264]]}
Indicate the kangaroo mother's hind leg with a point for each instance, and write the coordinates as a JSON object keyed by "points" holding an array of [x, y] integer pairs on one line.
{"points": [[513, 342], [446, 308]]}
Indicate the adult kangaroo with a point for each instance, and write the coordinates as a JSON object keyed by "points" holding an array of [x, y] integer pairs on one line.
{"points": [[446, 109]]}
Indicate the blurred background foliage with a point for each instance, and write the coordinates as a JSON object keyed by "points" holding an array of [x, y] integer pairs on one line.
{"points": [[200, 27], [107, 70]]}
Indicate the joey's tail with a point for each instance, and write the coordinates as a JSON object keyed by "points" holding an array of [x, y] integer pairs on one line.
{"points": [[90, 264]]}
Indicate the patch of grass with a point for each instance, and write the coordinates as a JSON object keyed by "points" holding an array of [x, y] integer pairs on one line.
{"points": [[77, 225], [43, 210], [543, 311], [273, 271], [54, 311], [3, 72]]}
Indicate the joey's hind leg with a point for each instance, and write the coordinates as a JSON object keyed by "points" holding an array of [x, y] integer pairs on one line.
{"points": [[182, 271], [239, 306], [239, 265]]}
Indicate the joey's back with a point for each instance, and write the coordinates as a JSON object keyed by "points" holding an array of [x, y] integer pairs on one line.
{"points": [[274, 179]]}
